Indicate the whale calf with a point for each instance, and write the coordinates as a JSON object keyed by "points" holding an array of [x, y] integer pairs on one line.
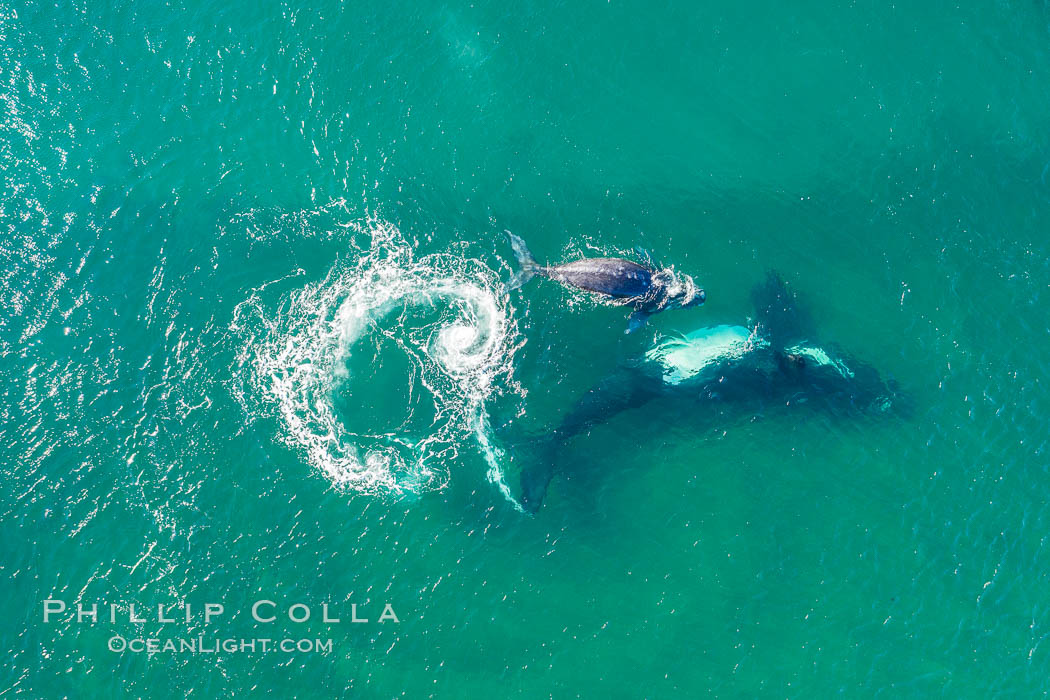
{"points": [[741, 369], [644, 287]]}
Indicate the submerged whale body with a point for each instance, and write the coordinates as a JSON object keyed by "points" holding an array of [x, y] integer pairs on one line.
{"points": [[647, 289], [775, 361]]}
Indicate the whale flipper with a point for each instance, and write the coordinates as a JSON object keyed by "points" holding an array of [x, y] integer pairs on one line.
{"points": [[529, 266], [636, 320]]}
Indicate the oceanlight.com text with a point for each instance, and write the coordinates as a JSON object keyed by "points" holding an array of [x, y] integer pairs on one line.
{"points": [[214, 645]]}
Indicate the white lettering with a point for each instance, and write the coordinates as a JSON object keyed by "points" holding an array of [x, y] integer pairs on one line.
{"points": [[211, 609], [53, 606], [306, 613], [255, 610], [388, 614], [92, 612]]}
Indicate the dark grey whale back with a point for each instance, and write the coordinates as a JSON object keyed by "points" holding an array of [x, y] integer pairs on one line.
{"points": [[613, 276]]}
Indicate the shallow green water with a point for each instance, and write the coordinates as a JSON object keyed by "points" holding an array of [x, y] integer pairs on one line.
{"points": [[253, 323]]}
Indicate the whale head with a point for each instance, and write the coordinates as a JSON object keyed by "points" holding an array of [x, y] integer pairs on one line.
{"points": [[679, 291]]}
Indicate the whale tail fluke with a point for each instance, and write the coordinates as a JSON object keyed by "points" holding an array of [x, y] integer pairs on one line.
{"points": [[528, 265]]}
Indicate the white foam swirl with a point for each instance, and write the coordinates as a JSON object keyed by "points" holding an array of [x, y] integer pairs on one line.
{"points": [[380, 372]]}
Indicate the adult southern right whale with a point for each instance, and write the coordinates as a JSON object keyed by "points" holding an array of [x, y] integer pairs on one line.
{"points": [[716, 373], [645, 287]]}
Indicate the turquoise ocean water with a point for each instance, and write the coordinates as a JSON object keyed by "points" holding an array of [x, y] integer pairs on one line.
{"points": [[255, 345]]}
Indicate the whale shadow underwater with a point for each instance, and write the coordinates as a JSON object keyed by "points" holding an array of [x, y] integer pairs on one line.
{"points": [[736, 369]]}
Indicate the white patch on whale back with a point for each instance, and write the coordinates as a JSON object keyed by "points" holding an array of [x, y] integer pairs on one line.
{"points": [[685, 357]]}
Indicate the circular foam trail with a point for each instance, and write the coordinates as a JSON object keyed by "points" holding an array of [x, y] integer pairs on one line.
{"points": [[321, 362]]}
